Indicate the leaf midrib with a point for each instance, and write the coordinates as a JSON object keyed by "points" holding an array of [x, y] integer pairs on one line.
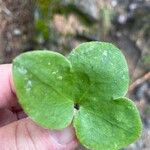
{"points": [[112, 123], [47, 84]]}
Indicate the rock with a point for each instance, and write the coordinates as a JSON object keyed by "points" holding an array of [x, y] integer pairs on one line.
{"points": [[68, 25], [16, 28], [88, 7]]}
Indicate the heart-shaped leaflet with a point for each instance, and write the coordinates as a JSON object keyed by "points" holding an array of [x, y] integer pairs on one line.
{"points": [[93, 79]]}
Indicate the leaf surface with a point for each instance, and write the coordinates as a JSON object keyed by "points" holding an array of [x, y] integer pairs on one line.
{"points": [[105, 67], [44, 85], [102, 122], [107, 125], [94, 78]]}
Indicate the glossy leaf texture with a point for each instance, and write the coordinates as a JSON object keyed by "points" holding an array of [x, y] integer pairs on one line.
{"points": [[93, 77]]}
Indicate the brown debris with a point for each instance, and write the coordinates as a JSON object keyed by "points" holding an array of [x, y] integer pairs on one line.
{"points": [[139, 81]]}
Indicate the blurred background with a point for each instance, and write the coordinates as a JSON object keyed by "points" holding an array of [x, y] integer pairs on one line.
{"points": [[61, 25]]}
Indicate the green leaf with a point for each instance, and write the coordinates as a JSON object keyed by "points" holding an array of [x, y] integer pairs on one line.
{"points": [[101, 122], [43, 84], [105, 67], [94, 80], [107, 125]]}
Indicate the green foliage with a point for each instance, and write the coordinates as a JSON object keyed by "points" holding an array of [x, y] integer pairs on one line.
{"points": [[106, 18], [42, 28], [46, 6], [43, 15], [45, 11], [86, 88]]}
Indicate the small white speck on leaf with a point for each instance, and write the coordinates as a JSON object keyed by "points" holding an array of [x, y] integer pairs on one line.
{"points": [[105, 53], [60, 77], [119, 119], [115, 145], [54, 72], [22, 70], [28, 85]]}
